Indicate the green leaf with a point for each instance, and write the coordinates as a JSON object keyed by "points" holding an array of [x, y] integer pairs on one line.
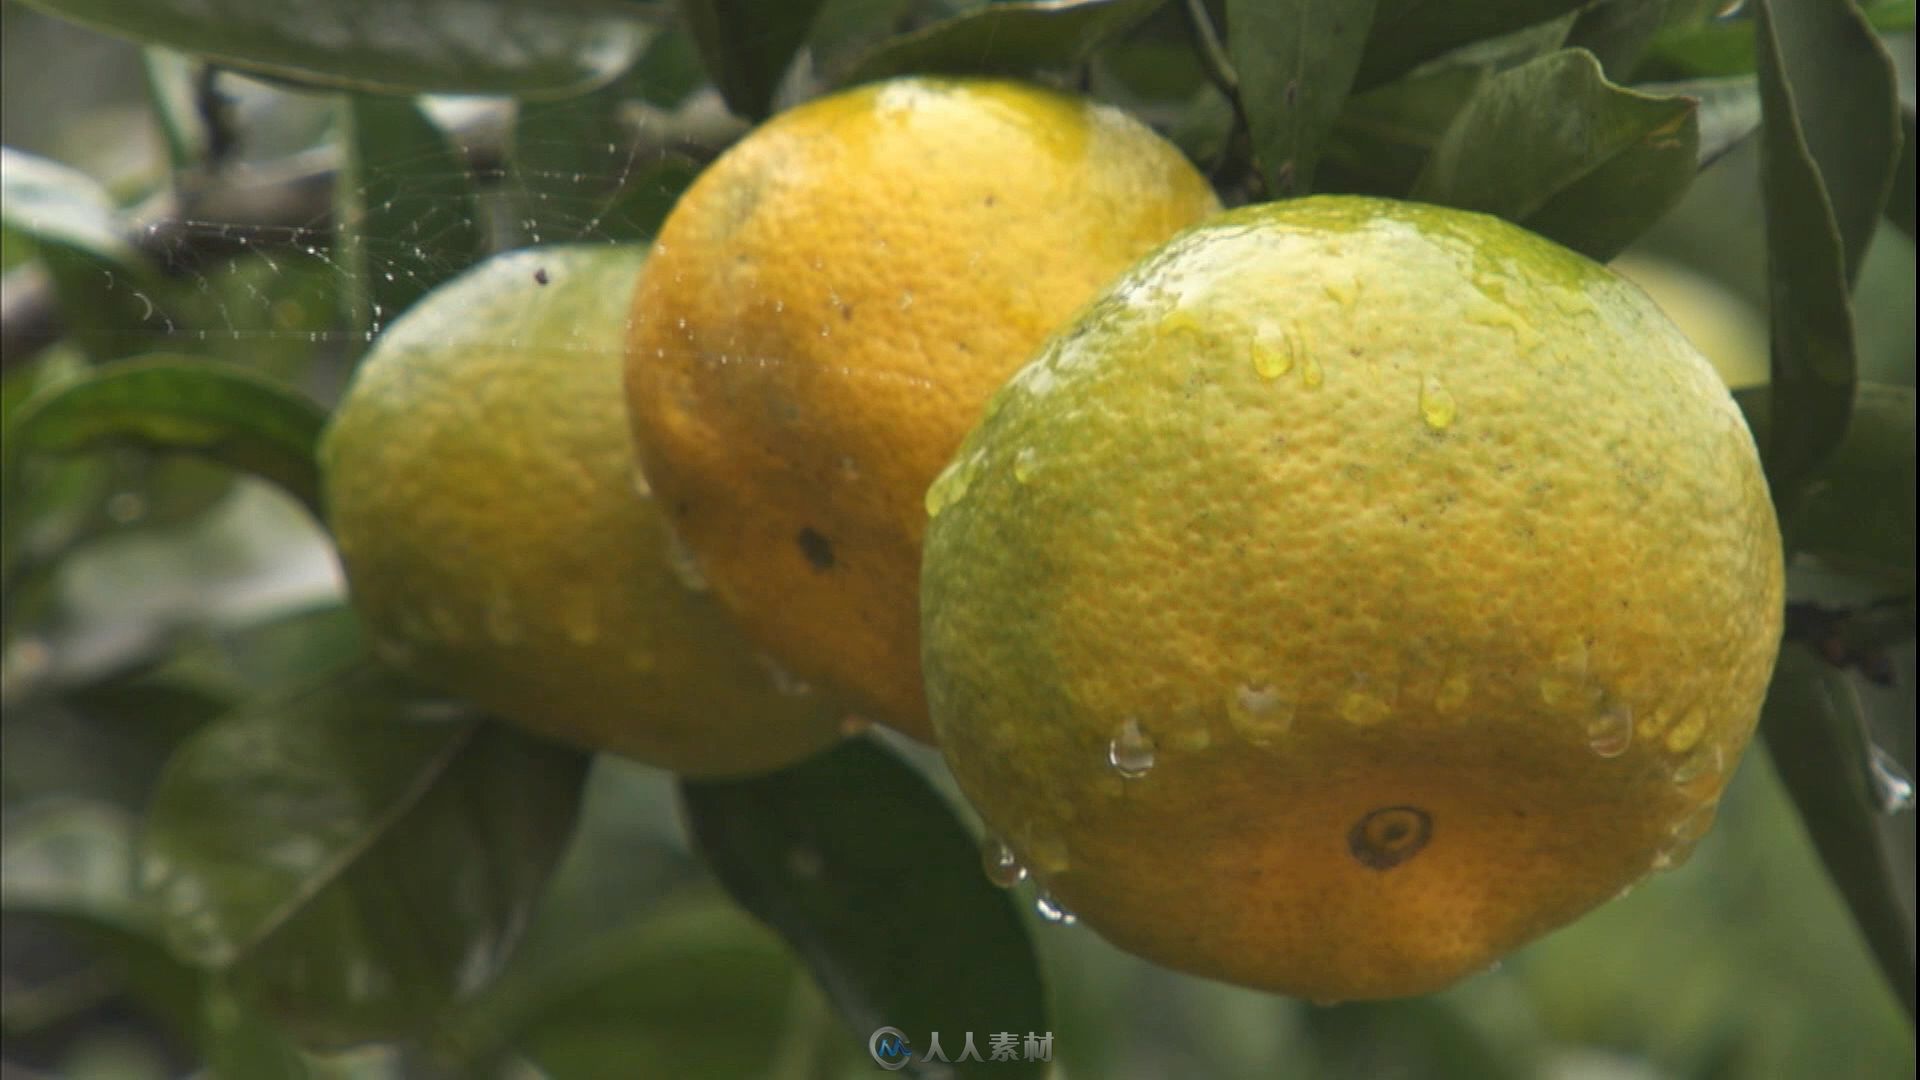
{"points": [[1295, 62], [1830, 149], [1383, 137], [391, 46], [352, 858], [866, 873], [234, 417], [576, 178], [1900, 201], [1553, 146], [110, 299], [1816, 729], [408, 217], [1406, 32], [1020, 37], [1729, 110], [747, 45], [1858, 509], [1618, 32]]}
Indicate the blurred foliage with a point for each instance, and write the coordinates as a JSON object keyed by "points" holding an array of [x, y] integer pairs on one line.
{"points": [[233, 846]]}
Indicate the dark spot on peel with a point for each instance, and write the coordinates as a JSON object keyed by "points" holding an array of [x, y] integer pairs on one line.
{"points": [[1390, 836], [540, 276], [846, 312], [991, 200], [816, 547]]}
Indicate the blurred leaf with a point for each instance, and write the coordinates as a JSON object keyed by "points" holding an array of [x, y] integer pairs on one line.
{"points": [[669, 71], [1723, 46], [697, 991], [1019, 37], [1383, 137], [1859, 504], [1553, 146], [1618, 32], [747, 45], [230, 415], [392, 46], [407, 216], [110, 299], [866, 873], [1829, 154], [1900, 202], [174, 84], [243, 662], [576, 176], [1426, 1037], [1295, 61], [354, 858], [1816, 730], [1405, 32]]}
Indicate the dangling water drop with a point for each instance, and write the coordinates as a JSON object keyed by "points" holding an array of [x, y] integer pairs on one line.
{"points": [[1310, 372], [1437, 406], [1611, 731], [1051, 910], [684, 566], [1023, 464], [1272, 352], [1131, 751], [1259, 713], [1892, 787], [1001, 864]]}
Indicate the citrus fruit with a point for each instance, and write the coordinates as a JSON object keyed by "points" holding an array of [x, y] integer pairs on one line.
{"points": [[825, 312], [1353, 592], [498, 540]]}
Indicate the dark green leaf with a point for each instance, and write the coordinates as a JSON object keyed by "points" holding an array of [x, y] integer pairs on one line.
{"points": [[1829, 154], [1553, 146], [393, 46], [1405, 32], [408, 218], [1021, 37], [1857, 513], [1900, 202], [1729, 110], [747, 45], [1382, 138], [1815, 726], [866, 873], [1617, 32], [230, 415], [353, 858], [1295, 62], [669, 71], [576, 177]]}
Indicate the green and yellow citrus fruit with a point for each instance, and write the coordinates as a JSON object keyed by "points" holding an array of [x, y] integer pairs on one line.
{"points": [[498, 541], [827, 309], [1353, 592]]}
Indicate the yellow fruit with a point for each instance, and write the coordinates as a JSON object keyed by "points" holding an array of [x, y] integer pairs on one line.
{"points": [[1729, 332], [1353, 592], [826, 311], [481, 486]]}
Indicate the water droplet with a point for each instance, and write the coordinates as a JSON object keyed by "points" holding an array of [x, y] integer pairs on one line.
{"points": [[1454, 691], [1362, 705], [1023, 464], [1892, 787], [950, 486], [1437, 407], [785, 683], [640, 485], [1685, 837], [1047, 853], [1686, 732], [1704, 764], [1259, 713], [1001, 864], [1272, 351], [1131, 751], [779, 306], [1610, 732], [1310, 373], [684, 566], [906, 299], [1051, 910], [1340, 291]]}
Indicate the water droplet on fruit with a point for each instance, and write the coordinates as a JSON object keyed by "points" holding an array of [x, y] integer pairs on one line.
{"points": [[1686, 732], [1051, 910], [1610, 732], [1272, 351], [1310, 372], [1131, 751], [1454, 691], [1001, 864], [1023, 464], [1684, 838], [1437, 407], [1703, 764], [1892, 787], [1259, 713], [785, 683], [1363, 705], [640, 485]]}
